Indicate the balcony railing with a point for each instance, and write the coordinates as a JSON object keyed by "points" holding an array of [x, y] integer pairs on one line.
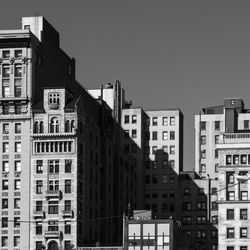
{"points": [[235, 138], [53, 194], [39, 214], [53, 234], [68, 213]]}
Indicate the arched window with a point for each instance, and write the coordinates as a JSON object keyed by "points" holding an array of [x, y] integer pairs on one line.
{"points": [[72, 126], [35, 127], [54, 125], [41, 127], [67, 126]]}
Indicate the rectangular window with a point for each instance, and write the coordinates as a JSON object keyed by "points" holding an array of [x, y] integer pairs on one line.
{"points": [[203, 153], [5, 166], [67, 205], [154, 121], [134, 133], [53, 207], [172, 150], [39, 206], [4, 241], [172, 164], [203, 125], [126, 119], [154, 149], [203, 140], [39, 228], [39, 186], [18, 53], [53, 166], [172, 135], [230, 214], [6, 128], [134, 118], [246, 124], [164, 179], [216, 139], [17, 222], [244, 195], [243, 159], [243, 214], [236, 159], [17, 203], [53, 226], [5, 203], [217, 125], [5, 147], [172, 121], [165, 149], [67, 227], [6, 54], [39, 166], [230, 232], [17, 128], [164, 135], [68, 164], [230, 178], [228, 159], [18, 166], [16, 241], [67, 245], [203, 168], [17, 184], [154, 135], [243, 232], [4, 222], [18, 147], [231, 195], [67, 186], [216, 167], [164, 121], [18, 70], [5, 184], [18, 87], [6, 71]]}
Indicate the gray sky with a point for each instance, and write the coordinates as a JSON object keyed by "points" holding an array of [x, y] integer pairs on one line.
{"points": [[167, 54]]}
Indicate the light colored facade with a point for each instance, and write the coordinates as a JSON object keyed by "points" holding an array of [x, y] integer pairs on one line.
{"points": [[233, 195], [209, 124]]}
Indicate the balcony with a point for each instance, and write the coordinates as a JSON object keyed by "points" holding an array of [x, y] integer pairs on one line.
{"points": [[53, 194], [68, 213], [54, 105], [53, 234], [39, 214], [234, 138]]}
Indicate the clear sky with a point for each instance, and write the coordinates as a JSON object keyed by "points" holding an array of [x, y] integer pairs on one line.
{"points": [[167, 54]]}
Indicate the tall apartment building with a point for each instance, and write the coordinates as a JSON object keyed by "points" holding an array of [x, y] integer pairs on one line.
{"points": [[155, 140], [65, 178], [209, 124]]}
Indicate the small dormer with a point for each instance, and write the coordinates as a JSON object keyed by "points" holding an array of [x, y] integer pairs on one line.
{"points": [[54, 99]]}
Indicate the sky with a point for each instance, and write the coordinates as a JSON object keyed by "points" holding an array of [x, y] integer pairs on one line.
{"points": [[167, 54]]}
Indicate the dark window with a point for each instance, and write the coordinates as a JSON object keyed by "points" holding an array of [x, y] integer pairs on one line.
{"points": [[39, 206], [39, 166], [67, 186], [39, 228], [53, 207], [68, 164], [39, 186], [230, 232], [246, 124], [217, 125], [203, 125], [4, 222], [154, 135], [126, 119], [67, 227], [172, 135]]}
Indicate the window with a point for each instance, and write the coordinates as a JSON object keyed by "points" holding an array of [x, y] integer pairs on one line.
{"points": [[172, 163], [217, 125], [230, 178], [165, 149], [203, 168], [54, 125], [54, 185], [203, 140], [203, 153], [154, 179], [67, 186], [172, 178], [164, 135], [39, 206], [155, 121], [39, 186], [246, 124], [201, 234], [230, 232], [67, 227], [244, 195], [53, 207], [5, 128], [154, 135], [243, 214], [5, 203], [236, 159], [214, 191], [216, 155], [134, 133], [17, 222], [172, 150], [18, 70], [164, 179], [18, 53], [201, 191], [67, 245], [230, 214], [126, 119], [6, 71], [67, 205], [147, 179], [172, 135], [53, 166], [134, 118], [203, 125], [201, 220], [186, 206], [5, 184], [243, 247], [4, 222], [6, 54], [164, 121], [4, 241], [215, 219], [6, 89], [186, 220], [243, 232], [186, 191], [17, 128], [18, 147], [172, 121], [243, 159], [154, 193], [16, 241], [216, 139], [18, 87], [5, 166], [18, 166], [53, 226], [164, 193], [17, 184], [231, 196], [5, 147], [39, 227], [17, 203], [216, 165], [154, 149], [68, 164], [201, 206], [54, 98], [39, 166]]}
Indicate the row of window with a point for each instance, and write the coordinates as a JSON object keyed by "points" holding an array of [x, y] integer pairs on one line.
{"points": [[237, 159], [164, 135], [7, 108], [165, 120], [203, 139], [16, 241], [203, 125], [53, 206], [164, 150], [204, 152], [231, 232], [164, 193], [53, 226], [243, 195], [53, 185], [243, 214], [53, 147], [241, 248], [200, 220], [17, 147], [186, 191], [156, 164], [5, 184], [6, 166], [6, 54], [201, 205], [5, 203], [154, 179], [203, 167], [53, 166], [5, 222], [67, 244], [6, 128]]}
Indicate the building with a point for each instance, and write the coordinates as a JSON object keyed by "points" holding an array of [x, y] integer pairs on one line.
{"points": [[209, 124], [65, 177], [233, 198]]}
